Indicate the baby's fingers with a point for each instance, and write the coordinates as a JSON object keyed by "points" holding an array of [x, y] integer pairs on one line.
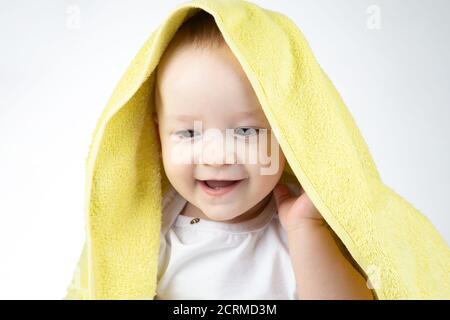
{"points": [[283, 197]]}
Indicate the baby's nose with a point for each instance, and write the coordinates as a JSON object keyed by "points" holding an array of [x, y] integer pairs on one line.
{"points": [[216, 150]]}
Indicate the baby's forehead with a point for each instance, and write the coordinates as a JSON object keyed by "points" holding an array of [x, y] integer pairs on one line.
{"points": [[197, 83], [186, 61]]}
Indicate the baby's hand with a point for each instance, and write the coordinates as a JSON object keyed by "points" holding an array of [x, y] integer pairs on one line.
{"points": [[321, 269], [294, 211]]}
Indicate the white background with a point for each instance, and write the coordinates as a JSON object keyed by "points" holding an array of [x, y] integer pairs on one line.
{"points": [[60, 61]]}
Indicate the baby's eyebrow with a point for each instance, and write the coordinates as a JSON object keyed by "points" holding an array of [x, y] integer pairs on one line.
{"points": [[237, 115], [183, 117], [248, 114]]}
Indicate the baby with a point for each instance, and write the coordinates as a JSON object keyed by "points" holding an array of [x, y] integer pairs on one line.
{"points": [[230, 229]]}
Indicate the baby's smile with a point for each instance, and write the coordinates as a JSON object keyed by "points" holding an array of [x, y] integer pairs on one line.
{"points": [[219, 187]]}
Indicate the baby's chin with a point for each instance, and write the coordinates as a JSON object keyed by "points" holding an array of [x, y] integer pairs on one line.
{"points": [[222, 212]]}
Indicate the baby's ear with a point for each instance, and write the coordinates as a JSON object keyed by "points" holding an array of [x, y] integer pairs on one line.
{"points": [[155, 121]]}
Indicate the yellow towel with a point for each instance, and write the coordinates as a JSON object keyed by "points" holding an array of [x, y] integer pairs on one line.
{"points": [[395, 246]]}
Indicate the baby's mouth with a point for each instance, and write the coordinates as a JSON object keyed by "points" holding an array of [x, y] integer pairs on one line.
{"points": [[218, 187], [217, 184]]}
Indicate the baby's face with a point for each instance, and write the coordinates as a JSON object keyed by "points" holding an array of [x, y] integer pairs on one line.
{"points": [[211, 127]]}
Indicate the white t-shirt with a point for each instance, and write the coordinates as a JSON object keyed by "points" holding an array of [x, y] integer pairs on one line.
{"points": [[218, 260]]}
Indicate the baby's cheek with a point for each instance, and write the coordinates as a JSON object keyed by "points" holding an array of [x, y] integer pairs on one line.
{"points": [[179, 153], [259, 185], [268, 150], [176, 163]]}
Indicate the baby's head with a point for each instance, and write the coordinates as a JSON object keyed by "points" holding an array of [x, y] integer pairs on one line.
{"points": [[199, 79]]}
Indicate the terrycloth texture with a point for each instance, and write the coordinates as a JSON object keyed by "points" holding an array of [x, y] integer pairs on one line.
{"points": [[395, 245]]}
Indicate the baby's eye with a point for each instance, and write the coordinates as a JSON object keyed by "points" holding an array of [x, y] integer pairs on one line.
{"points": [[186, 133], [246, 131]]}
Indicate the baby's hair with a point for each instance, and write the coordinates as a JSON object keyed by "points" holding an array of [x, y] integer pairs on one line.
{"points": [[200, 30]]}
